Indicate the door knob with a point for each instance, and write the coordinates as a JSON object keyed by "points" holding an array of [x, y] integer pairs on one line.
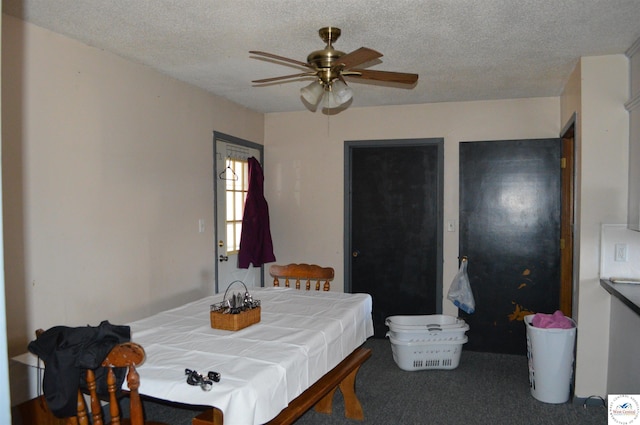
{"points": [[223, 258], [355, 253]]}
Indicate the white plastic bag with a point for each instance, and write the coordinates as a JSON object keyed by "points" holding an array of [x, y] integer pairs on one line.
{"points": [[460, 290]]}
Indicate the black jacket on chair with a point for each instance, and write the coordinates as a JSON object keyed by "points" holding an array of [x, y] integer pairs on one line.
{"points": [[67, 352]]}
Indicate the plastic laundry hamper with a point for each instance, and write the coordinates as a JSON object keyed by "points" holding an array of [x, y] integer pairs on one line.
{"points": [[429, 335], [424, 355], [426, 341], [550, 357], [423, 321]]}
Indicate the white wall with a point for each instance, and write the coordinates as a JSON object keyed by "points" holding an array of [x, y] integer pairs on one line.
{"points": [[304, 168], [596, 92], [5, 401], [611, 236], [107, 168]]}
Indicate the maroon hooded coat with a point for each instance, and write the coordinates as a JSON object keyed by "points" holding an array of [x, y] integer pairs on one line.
{"points": [[256, 246]]}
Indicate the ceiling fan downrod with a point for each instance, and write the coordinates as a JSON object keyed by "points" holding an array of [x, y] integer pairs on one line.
{"points": [[323, 60]]}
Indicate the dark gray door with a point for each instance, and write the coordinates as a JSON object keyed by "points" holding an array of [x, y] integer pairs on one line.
{"points": [[394, 223], [510, 232]]}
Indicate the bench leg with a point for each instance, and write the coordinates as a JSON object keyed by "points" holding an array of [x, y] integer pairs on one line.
{"points": [[211, 416], [352, 406], [325, 405]]}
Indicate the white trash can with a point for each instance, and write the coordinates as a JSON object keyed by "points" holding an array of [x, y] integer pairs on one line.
{"points": [[550, 356]]}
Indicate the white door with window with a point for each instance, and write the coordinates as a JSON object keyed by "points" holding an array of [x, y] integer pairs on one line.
{"points": [[232, 182]]}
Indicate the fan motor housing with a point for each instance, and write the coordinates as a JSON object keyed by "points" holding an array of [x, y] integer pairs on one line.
{"points": [[324, 58]]}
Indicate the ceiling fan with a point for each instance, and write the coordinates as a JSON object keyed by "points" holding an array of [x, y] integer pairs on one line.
{"points": [[330, 66]]}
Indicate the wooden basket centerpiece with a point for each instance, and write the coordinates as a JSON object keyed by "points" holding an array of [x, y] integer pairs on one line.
{"points": [[236, 311]]}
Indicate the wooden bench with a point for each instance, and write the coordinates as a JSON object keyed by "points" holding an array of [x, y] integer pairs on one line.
{"points": [[320, 395]]}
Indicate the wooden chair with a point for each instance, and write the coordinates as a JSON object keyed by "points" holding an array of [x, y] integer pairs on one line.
{"points": [[126, 355], [305, 272]]}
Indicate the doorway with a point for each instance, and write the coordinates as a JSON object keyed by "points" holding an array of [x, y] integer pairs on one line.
{"points": [[230, 185], [393, 225], [510, 215]]}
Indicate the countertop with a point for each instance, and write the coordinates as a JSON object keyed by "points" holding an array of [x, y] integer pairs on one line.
{"points": [[628, 293]]}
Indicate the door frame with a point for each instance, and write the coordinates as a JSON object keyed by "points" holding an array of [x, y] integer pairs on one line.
{"points": [[568, 220], [349, 147], [235, 141]]}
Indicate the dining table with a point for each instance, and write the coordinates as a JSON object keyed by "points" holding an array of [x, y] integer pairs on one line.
{"points": [[302, 342]]}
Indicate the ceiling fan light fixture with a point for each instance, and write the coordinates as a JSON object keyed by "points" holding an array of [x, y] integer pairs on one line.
{"points": [[341, 91], [331, 100], [312, 93]]}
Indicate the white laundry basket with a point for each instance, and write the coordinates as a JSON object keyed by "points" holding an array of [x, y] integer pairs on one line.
{"points": [[426, 341], [424, 355], [423, 321], [550, 357]]}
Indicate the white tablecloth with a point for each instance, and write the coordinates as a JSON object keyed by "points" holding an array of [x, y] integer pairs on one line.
{"points": [[301, 336]]}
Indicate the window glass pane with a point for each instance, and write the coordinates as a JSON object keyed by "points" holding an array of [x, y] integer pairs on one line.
{"points": [[239, 208], [230, 205], [230, 238], [237, 184], [231, 184], [238, 232], [229, 175]]}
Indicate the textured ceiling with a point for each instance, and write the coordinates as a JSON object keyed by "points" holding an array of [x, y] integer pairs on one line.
{"points": [[462, 49]]}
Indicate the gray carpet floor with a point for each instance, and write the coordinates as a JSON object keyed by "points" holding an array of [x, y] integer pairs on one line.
{"points": [[491, 389]]}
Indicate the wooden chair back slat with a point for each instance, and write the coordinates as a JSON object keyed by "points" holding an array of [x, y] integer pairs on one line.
{"points": [[96, 415], [310, 274]]}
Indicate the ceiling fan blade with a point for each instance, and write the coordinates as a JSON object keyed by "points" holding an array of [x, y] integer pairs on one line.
{"points": [[280, 58], [392, 77], [358, 57], [284, 77]]}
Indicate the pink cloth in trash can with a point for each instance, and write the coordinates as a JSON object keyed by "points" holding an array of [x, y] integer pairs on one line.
{"points": [[556, 320]]}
